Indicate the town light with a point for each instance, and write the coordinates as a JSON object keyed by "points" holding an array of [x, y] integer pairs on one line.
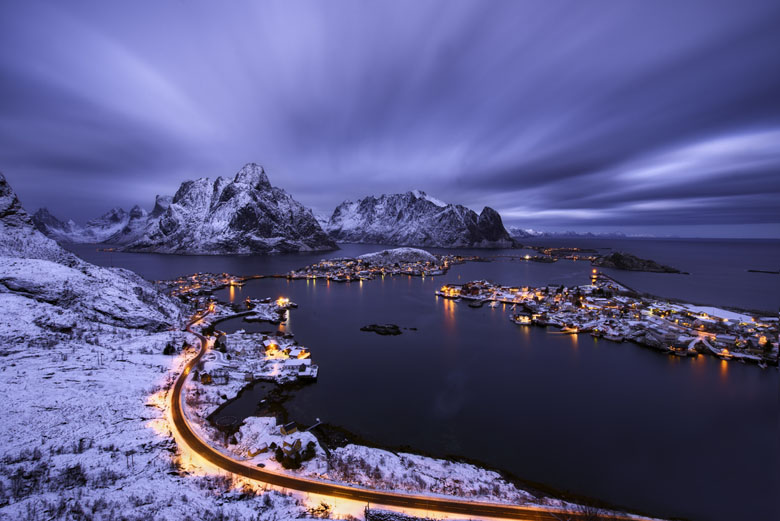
{"points": [[282, 301]]}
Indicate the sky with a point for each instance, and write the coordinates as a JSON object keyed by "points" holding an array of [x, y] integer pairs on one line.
{"points": [[657, 117]]}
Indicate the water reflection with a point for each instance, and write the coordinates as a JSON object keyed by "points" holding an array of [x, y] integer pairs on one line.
{"points": [[449, 313]]}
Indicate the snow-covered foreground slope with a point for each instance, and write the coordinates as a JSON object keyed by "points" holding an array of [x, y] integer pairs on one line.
{"points": [[83, 378], [416, 219], [82, 439]]}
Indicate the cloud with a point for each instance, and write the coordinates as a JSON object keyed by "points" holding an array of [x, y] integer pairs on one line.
{"points": [[558, 114]]}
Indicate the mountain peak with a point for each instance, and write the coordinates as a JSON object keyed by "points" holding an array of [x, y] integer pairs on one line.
{"points": [[253, 175]]}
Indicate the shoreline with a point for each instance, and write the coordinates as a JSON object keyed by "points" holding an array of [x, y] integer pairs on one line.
{"points": [[332, 437]]}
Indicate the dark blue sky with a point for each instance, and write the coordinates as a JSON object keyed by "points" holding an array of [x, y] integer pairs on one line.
{"points": [[644, 117]]}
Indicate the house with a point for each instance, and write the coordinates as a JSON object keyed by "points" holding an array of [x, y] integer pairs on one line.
{"points": [[291, 448], [218, 376], [254, 451], [220, 344], [288, 428], [271, 347], [299, 352]]}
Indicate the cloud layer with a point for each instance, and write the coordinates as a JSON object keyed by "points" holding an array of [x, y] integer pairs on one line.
{"points": [[608, 115]]}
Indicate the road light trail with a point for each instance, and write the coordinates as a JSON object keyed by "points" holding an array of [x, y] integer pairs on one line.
{"points": [[325, 488]]}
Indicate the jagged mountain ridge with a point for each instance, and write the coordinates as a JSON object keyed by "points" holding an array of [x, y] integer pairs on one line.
{"points": [[95, 231], [243, 215], [416, 219]]}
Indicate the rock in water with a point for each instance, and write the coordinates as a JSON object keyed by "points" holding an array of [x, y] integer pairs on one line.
{"points": [[382, 329]]}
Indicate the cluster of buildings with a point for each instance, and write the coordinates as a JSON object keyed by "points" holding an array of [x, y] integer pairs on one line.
{"points": [[246, 357], [606, 308], [574, 254], [199, 283], [349, 269]]}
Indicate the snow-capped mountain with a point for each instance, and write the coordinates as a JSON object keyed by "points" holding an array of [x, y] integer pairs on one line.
{"points": [[52, 290], [58, 230], [95, 231], [416, 219], [242, 215]]}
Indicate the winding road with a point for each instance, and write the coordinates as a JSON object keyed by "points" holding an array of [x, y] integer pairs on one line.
{"points": [[335, 490]]}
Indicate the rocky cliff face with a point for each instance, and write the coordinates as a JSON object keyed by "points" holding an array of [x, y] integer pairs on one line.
{"points": [[242, 215], [415, 219], [56, 291]]}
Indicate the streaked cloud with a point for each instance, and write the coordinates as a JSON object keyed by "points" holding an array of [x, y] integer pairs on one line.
{"points": [[560, 114]]}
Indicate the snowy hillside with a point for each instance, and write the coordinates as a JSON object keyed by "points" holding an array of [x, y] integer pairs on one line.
{"points": [[416, 219], [398, 255]]}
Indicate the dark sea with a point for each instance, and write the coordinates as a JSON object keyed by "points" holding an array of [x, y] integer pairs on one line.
{"points": [[696, 439]]}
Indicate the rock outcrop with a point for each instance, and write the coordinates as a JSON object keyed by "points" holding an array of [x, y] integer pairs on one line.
{"points": [[625, 261]]}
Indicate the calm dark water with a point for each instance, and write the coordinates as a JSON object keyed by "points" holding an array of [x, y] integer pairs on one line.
{"points": [[697, 439]]}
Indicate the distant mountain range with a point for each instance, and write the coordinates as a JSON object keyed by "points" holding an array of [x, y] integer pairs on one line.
{"points": [[416, 219], [248, 215], [524, 233], [242, 215]]}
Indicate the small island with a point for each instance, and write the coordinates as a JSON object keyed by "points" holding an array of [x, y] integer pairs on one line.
{"points": [[625, 261], [382, 329]]}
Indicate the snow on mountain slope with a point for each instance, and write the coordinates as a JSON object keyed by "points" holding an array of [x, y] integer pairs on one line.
{"points": [[243, 215], [416, 219], [398, 255], [95, 231]]}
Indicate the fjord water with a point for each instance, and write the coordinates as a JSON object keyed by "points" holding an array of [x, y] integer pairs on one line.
{"points": [[698, 439]]}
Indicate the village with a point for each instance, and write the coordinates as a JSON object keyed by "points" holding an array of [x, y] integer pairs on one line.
{"points": [[238, 359], [605, 308], [400, 261], [198, 284]]}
